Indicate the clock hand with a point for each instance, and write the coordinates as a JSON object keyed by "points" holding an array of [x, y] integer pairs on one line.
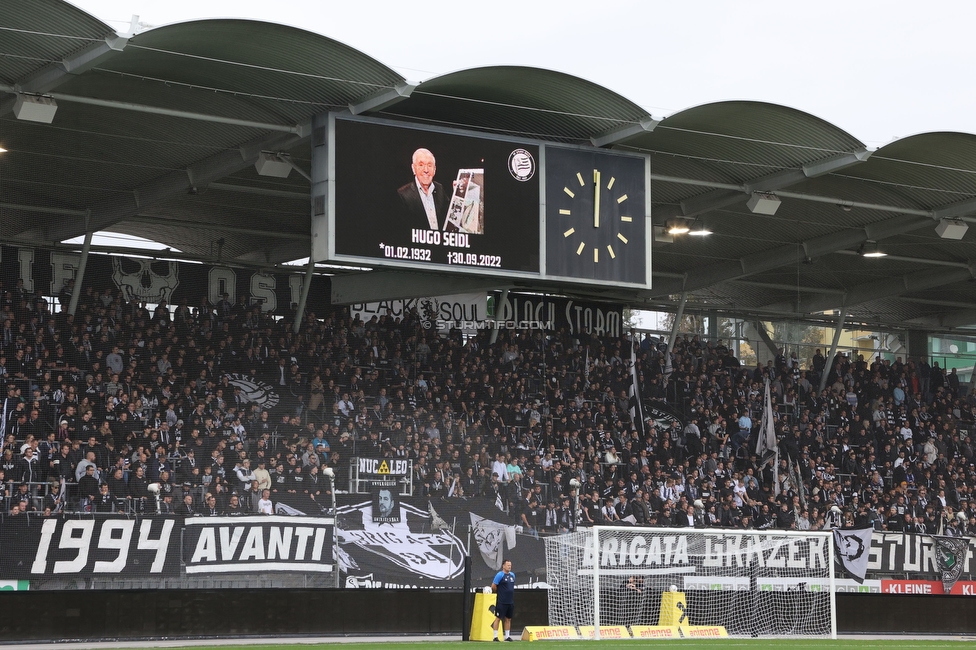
{"points": [[596, 198]]}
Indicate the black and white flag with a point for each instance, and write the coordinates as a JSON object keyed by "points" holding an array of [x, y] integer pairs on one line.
{"points": [[852, 548], [493, 539], [766, 443], [634, 393], [950, 557]]}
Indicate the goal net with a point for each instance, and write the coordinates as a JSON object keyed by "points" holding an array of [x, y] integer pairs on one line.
{"points": [[753, 583]]}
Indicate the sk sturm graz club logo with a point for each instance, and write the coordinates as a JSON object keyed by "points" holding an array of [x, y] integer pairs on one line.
{"points": [[521, 164], [254, 391], [950, 556], [428, 312], [661, 414]]}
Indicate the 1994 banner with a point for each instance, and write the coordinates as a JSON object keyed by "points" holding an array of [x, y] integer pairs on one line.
{"points": [[119, 546]]}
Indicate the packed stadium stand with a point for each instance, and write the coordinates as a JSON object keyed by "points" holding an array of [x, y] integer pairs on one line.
{"points": [[122, 409]]}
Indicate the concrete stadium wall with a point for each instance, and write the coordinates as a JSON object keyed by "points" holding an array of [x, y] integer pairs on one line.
{"points": [[91, 615]]}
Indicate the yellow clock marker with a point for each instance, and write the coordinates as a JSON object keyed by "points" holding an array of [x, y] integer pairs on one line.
{"points": [[626, 219], [610, 184], [596, 255], [567, 213], [569, 232], [579, 177], [621, 238], [579, 251], [610, 248], [596, 198], [622, 199], [570, 192]]}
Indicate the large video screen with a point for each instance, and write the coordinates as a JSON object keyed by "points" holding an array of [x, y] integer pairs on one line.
{"points": [[418, 198]]}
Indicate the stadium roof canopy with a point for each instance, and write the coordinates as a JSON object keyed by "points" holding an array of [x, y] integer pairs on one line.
{"points": [[156, 135]]}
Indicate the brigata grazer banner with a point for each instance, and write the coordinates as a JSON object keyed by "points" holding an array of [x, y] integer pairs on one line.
{"points": [[258, 543], [35, 547]]}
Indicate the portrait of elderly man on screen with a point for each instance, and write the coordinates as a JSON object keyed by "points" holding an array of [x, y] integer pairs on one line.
{"points": [[424, 199]]}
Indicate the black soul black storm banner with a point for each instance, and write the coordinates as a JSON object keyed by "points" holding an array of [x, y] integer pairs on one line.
{"points": [[529, 311]]}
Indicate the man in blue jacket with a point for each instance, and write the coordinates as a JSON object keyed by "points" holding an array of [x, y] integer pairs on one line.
{"points": [[504, 586]]}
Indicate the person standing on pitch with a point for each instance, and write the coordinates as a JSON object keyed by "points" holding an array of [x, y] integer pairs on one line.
{"points": [[504, 586]]}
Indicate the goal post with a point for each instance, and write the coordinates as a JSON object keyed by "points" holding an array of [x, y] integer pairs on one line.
{"points": [[754, 583]]}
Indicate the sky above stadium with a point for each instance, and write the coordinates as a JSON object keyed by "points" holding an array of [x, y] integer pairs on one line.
{"points": [[879, 70]]}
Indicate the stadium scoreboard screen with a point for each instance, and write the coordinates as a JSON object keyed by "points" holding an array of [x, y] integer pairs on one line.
{"points": [[409, 196]]}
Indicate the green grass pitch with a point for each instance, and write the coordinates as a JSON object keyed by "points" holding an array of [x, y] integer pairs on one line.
{"points": [[710, 644]]}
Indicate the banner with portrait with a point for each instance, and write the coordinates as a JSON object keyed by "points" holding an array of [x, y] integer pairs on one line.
{"points": [[386, 502]]}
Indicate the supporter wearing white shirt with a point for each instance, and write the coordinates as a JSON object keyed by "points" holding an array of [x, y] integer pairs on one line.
{"points": [[500, 468], [265, 507]]}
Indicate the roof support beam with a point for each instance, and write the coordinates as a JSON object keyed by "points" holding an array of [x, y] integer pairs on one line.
{"points": [[889, 287], [721, 198], [958, 318], [214, 227], [295, 249], [43, 210], [766, 339], [884, 288], [156, 110], [833, 349], [54, 74], [262, 191], [913, 260], [618, 134], [382, 98], [170, 112], [789, 254], [788, 287], [956, 209], [167, 186], [941, 303]]}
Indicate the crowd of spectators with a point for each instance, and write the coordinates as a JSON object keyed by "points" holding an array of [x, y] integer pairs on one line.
{"points": [[223, 409]]}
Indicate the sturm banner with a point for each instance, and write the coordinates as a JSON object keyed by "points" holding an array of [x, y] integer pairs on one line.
{"points": [[266, 544], [45, 273], [34, 547], [912, 556]]}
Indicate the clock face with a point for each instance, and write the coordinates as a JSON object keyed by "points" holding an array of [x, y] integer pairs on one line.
{"points": [[595, 216]]}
